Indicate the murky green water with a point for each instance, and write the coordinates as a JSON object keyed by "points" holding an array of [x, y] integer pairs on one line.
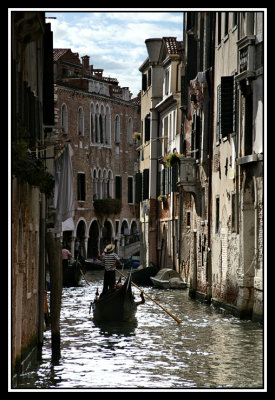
{"points": [[207, 350]]}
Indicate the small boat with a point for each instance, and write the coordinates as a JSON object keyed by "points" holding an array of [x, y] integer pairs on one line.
{"points": [[117, 305], [142, 276], [71, 274], [168, 278], [93, 264]]}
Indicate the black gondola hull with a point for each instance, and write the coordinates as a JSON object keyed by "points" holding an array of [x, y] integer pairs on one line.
{"points": [[119, 305], [72, 275]]}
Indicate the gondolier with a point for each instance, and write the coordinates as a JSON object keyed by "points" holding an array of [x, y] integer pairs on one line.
{"points": [[109, 263]]}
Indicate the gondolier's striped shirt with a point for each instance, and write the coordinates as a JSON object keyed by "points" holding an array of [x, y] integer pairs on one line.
{"points": [[109, 261]]}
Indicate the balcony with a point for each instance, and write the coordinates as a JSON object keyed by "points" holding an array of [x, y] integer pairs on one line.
{"points": [[188, 174], [246, 50]]}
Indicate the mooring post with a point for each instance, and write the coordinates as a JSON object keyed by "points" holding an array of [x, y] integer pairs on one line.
{"points": [[55, 267]]}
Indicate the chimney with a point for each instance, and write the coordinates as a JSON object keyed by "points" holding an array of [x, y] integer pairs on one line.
{"points": [[153, 48], [85, 64]]}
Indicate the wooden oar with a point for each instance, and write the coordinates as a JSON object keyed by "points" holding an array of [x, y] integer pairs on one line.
{"points": [[146, 294]]}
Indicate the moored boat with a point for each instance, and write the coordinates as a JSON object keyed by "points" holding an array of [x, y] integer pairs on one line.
{"points": [[168, 278], [142, 276], [71, 273], [117, 305]]}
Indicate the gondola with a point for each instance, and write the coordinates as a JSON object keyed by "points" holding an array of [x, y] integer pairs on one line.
{"points": [[71, 274], [117, 305]]}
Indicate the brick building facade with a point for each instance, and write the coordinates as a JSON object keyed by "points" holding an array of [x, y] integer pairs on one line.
{"points": [[98, 118]]}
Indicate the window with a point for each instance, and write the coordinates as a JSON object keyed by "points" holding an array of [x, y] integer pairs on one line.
{"points": [[217, 225], [81, 190], [234, 19], [226, 14], [196, 137], [145, 184], [109, 185], [248, 124], [95, 196], [130, 190], [108, 125], [144, 82], [117, 129], [149, 77], [226, 105], [147, 127], [188, 219], [226, 108], [219, 27], [118, 187], [80, 122], [99, 185], [64, 119], [101, 128], [92, 123], [166, 82]]}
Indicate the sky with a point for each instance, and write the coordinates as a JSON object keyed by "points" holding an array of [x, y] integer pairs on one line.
{"points": [[114, 40]]}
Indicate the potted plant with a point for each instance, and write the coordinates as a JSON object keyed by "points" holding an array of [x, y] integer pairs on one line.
{"points": [[162, 198], [171, 158], [136, 136]]}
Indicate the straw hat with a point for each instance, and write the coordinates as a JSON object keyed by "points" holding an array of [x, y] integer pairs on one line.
{"points": [[109, 248]]}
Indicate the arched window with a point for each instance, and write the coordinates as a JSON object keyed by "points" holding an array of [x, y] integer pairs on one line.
{"points": [[117, 129], [102, 124], [110, 185], [92, 124], [80, 122], [105, 185], [95, 195], [99, 185], [64, 119], [108, 125], [97, 135]]}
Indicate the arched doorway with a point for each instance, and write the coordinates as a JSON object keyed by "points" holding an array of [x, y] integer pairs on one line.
{"points": [[107, 234], [93, 241], [80, 234]]}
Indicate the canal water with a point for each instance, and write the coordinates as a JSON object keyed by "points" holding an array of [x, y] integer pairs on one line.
{"points": [[209, 349]]}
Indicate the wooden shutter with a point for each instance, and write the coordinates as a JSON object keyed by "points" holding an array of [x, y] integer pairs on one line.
{"points": [[145, 184], [130, 189], [48, 89], [138, 187], [227, 105]]}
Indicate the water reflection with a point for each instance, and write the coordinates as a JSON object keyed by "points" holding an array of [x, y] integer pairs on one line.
{"points": [[114, 328], [207, 350]]}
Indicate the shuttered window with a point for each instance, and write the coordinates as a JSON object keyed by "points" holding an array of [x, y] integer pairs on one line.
{"points": [[226, 117]]}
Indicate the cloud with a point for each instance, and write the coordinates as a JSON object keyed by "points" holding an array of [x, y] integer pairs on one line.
{"points": [[114, 40]]}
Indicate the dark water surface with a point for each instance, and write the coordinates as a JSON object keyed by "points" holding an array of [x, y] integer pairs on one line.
{"points": [[209, 349]]}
